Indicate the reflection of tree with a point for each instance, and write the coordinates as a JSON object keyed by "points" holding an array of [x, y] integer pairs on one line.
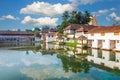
{"points": [[27, 52], [112, 56], [48, 52], [71, 64], [37, 48]]}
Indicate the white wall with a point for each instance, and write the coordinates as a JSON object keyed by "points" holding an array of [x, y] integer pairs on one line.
{"points": [[106, 40], [50, 38], [18, 38]]}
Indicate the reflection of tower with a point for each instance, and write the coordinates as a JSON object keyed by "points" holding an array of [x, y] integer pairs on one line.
{"points": [[93, 21]]}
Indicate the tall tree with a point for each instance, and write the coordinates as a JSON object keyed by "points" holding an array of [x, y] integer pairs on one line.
{"points": [[79, 18], [65, 22], [65, 16], [86, 17], [73, 17]]}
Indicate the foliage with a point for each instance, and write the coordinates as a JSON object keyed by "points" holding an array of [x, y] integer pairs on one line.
{"points": [[85, 46], [36, 34], [71, 44], [75, 17], [71, 64]]}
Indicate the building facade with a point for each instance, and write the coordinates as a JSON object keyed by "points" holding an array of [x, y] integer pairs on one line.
{"points": [[16, 36], [49, 35], [107, 38]]}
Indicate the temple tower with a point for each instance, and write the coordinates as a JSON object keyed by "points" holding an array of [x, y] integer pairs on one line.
{"points": [[93, 21]]}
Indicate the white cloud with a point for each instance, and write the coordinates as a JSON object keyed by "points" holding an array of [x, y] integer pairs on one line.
{"points": [[107, 18], [104, 11], [9, 17], [46, 9], [84, 2], [112, 9], [100, 12], [114, 16], [8, 64], [52, 72], [44, 21], [74, 2], [88, 1]]}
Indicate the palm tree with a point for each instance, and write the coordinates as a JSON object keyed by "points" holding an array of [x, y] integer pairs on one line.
{"points": [[65, 16], [73, 17], [86, 17], [79, 18]]}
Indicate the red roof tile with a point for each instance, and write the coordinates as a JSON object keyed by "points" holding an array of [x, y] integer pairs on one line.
{"points": [[16, 33], [105, 29], [72, 26]]}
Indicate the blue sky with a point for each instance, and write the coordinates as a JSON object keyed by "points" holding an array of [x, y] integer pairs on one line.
{"points": [[27, 14]]}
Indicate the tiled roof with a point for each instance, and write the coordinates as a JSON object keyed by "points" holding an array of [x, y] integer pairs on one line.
{"points": [[72, 26], [82, 38], [56, 33], [16, 33], [85, 28], [79, 27], [105, 29]]}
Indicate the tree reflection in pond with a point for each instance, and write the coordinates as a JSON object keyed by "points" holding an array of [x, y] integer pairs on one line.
{"points": [[75, 60], [71, 64]]}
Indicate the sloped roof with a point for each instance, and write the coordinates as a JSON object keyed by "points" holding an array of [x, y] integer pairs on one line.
{"points": [[105, 29], [82, 38], [79, 27], [16, 33], [85, 28], [72, 26]]}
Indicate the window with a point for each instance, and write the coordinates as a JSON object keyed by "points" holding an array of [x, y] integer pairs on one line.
{"points": [[102, 34], [92, 34], [117, 41], [116, 33]]}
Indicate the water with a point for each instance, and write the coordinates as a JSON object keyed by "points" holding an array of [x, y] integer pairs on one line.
{"points": [[54, 62]]}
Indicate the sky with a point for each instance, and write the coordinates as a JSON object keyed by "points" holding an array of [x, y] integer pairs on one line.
{"points": [[28, 14]]}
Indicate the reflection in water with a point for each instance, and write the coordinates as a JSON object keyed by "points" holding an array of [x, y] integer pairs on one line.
{"points": [[107, 58], [56, 62]]}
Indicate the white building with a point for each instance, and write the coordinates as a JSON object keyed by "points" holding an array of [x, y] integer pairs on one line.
{"points": [[49, 36], [16, 36], [107, 38], [79, 32]]}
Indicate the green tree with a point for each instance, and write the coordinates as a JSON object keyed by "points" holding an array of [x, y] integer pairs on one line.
{"points": [[75, 17], [65, 16], [64, 22], [86, 18]]}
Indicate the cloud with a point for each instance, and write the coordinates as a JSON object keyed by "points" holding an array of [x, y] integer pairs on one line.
{"points": [[108, 19], [43, 21], [9, 17], [112, 9], [53, 72], [114, 17], [104, 11], [8, 64], [100, 12], [83, 2], [46, 9], [88, 1]]}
